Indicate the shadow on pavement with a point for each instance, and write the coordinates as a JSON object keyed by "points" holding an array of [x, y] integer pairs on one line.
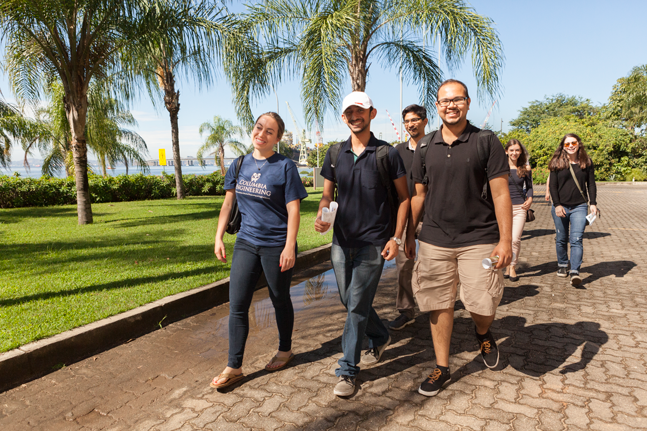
{"points": [[536, 350], [619, 268]]}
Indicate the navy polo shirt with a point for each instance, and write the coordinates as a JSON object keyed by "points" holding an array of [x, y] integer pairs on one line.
{"points": [[363, 215], [456, 215]]}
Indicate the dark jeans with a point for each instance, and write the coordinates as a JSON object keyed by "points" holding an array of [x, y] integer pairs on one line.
{"points": [[358, 272], [575, 220], [247, 265]]}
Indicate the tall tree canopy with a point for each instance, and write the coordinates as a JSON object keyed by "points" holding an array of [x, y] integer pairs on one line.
{"points": [[79, 41], [559, 105], [628, 101], [324, 41]]}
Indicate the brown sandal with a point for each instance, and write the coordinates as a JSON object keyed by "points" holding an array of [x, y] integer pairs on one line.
{"points": [[285, 361], [231, 379]]}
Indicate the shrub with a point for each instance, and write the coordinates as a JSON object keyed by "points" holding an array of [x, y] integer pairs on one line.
{"points": [[540, 175], [18, 192]]}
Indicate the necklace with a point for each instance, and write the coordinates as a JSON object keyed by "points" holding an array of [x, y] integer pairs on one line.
{"points": [[257, 163]]}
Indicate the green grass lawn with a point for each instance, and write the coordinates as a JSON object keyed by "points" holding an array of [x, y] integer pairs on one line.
{"points": [[56, 275]]}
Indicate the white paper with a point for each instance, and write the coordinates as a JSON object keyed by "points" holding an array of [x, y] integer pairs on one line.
{"points": [[328, 215], [591, 218]]}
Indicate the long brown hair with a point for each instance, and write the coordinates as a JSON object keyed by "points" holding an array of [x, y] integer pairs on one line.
{"points": [[560, 159], [522, 161]]}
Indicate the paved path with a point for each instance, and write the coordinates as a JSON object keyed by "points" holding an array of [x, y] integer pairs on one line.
{"points": [[571, 358]]}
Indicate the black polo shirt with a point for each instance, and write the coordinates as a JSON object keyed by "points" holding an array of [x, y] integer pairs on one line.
{"points": [[407, 157], [363, 215], [456, 215]]}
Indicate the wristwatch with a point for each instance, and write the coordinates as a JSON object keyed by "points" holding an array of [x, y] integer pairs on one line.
{"points": [[397, 240]]}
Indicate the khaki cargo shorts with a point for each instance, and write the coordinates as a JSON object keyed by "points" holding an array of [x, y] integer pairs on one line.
{"points": [[438, 270]]}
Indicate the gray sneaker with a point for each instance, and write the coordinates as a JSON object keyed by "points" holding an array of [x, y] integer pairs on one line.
{"points": [[373, 356], [562, 271], [400, 322], [345, 387]]}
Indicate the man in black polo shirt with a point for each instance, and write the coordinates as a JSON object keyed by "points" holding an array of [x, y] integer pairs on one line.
{"points": [[463, 185], [362, 235], [415, 121]]}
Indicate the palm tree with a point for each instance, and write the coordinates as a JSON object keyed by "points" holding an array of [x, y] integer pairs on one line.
{"points": [[220, 133], [15, 127], [327, 40], [224, 42], [77, 42]]}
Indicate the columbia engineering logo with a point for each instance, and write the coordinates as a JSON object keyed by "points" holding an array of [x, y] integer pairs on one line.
{"points": [[256, 176]]}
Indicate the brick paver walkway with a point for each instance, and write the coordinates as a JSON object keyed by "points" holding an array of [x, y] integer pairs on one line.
{"points": [[571, 358]]}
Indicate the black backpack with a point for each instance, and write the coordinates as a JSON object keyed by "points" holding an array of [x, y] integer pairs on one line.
{"points": [[233, 226], [384, 168], [482, 148]]}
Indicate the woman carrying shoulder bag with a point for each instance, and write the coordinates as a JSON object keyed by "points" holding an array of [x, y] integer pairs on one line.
{"points": [[269, 192], [570, 202], [520, 178]]}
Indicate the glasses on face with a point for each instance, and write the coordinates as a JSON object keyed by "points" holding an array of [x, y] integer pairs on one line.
{"points": [[570, 144], [458, 101], [412, 120]]}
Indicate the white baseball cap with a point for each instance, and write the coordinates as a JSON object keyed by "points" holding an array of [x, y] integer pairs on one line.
{"points": [[357, 98]]}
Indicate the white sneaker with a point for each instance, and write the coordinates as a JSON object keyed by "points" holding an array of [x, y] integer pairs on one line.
{"points": [[345, 387], [373, 356]]}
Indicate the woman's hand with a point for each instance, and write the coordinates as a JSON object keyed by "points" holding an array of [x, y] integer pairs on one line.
{"points": [[547, 197], [526, 204], [221, 254], [288, 258], [594, 209], [559, 211]]}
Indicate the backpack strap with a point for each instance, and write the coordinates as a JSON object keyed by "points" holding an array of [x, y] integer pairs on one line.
{"points": [[423, 147], [384, 168], [483, 150], [334, 151], [239, 163]]}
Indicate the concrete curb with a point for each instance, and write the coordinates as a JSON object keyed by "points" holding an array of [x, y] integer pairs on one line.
{"points": [[42, 357]]}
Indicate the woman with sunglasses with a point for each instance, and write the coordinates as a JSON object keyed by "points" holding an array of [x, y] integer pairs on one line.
{"points": [[520, 184], [269, 192], [569, 164]]}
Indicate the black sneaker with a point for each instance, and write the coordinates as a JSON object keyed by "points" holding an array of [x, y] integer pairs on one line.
{"points": [[562, 271], [434, 383], [400, 322], [489, 350], [576, 280]]}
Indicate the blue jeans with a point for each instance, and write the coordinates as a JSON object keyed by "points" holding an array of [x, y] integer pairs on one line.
{"points": [[247, 265], [358, 272], [576, 218]]}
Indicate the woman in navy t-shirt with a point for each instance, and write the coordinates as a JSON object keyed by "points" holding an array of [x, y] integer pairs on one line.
{"points": [[269, 193]]}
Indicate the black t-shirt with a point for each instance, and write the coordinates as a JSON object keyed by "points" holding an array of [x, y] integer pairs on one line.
{"points": [[407, 158], [517, 185], [456, 214], [363, 215], [563, 190]]}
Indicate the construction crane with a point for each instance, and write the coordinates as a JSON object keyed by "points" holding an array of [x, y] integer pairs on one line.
{"points": [[303, 155], [487, 117]]}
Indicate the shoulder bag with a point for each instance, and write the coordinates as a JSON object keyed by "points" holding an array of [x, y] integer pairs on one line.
{"points": [[530, 214], [233, 225], [588, 207]]}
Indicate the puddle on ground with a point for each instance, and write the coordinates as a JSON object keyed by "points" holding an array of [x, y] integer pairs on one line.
{"points": [[316, 293]]}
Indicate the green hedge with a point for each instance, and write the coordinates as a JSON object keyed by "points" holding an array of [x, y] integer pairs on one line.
{"points": [[18, 192]]}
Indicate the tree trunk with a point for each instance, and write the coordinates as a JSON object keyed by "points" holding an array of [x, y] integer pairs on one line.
{"points": [[102, 160], [358, 71], [172, 102], [221, 151], [77, 116]]}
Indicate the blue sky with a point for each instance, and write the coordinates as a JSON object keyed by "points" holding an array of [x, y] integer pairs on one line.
{"points": [[575, 47]]}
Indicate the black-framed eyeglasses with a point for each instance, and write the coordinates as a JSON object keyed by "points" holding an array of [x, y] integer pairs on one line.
{"points": [[412, 120], [458, 101]]}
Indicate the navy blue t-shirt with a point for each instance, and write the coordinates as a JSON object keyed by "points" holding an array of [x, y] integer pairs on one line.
{"points": [[262, 197], [363, 215]]}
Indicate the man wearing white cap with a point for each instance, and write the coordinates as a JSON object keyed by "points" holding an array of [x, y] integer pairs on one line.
{"points": [[373, 200]]}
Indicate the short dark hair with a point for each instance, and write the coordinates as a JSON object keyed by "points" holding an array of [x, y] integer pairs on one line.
{"points": [[279, 121], [420, 111], [453, 81]]}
